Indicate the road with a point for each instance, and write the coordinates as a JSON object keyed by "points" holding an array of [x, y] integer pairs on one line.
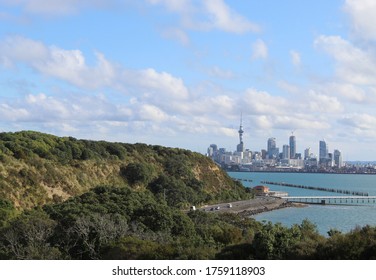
{"points": [[256, 205]]}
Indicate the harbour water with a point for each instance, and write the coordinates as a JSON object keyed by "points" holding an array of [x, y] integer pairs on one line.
{"points": [[326, 217]]}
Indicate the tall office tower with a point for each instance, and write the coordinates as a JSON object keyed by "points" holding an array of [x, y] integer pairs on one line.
{"points": [[273, 151], [286, 152], [271, 144], [213, 150], [338, 158], [323, 151], [240, 146], [307, 153], [214, 147], [292, 146]]}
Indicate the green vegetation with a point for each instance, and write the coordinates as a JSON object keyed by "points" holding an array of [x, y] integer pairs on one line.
{"points": [[63, 198], [37, 168], [122, 223]]}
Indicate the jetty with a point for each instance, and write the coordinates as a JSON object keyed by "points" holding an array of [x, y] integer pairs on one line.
{"points": [[324, 189], [356, 200], [243, 180]]}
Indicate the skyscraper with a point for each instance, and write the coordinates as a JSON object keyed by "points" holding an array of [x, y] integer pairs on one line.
{"points": [[323, 151], [292, 143], [273, 151], [307, 153], [338, 158], [286, 152], [240, 146]]}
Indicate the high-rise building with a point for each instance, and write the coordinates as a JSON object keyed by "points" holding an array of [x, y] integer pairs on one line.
{"points": [[286, 152], [212, 150], [240, 146], [292, 143], [338, 158], [271, 144], [307, 153], [273, 151], [323, 151]]}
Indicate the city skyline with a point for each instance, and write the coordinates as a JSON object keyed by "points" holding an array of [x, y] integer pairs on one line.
{"points": [[289, 151], [273, 159], [180, 73]]}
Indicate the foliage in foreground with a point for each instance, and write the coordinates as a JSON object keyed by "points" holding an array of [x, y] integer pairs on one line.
{"points": [[122, 223]]}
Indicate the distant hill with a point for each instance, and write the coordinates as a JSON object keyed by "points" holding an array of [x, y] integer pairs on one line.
{"points": [[37, 169]]}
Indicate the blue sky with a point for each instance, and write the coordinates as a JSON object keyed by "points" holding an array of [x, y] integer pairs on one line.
{"points": [[180, 72]]}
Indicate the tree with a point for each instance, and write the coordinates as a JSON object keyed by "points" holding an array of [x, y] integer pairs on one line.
{"points": [[130, 248], [88, 234], [29, 237], [137, 173], [7, 212]]}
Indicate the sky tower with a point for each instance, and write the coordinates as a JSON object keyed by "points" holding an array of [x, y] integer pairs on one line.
{"points": [[240, 146]]}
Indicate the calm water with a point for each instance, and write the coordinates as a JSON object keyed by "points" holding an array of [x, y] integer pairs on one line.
{"points": [[327, 217]]}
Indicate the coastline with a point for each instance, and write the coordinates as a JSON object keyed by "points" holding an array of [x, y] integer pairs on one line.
{"points": [[252, 206], [302, 171]]}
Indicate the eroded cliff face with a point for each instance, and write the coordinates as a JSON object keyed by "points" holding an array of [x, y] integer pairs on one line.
{"points": [[37, 168]]}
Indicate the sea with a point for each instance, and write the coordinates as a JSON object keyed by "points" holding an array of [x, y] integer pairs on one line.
{"points": [[326, 217]]}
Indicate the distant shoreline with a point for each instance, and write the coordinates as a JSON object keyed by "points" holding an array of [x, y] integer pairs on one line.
{"points": [[303, 172]]}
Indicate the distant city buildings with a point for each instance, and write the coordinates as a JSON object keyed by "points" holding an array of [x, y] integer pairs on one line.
{"points": [[323, 152], [286, 152], [240, 146], [271, 159], [338, 159], [292, 142]]}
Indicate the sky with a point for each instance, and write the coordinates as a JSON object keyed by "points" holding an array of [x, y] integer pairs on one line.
{"points": [[180, 73]]}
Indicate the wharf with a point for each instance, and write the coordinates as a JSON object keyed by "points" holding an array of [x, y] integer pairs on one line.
{"points": [[324, 189], [355, 200]]}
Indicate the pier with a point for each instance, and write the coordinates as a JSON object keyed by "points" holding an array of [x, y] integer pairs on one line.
{"points": [[332, 190], [356, 200], [243, 180]]}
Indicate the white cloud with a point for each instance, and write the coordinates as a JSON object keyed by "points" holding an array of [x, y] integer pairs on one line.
{"points": [[299, 121], [11, 114], [152, 113], [259, 50], [223, 103], [68, 65], [173, 5], [263, 122], [42, 108], [225, 131], [321, 103], [208, 15], [354, 65], [360, 121], [71, 66], [18, 48], [225, 19], [362, 15], [349, 92], [55, 7], [262, 103], [295, 58], [162, 83]]}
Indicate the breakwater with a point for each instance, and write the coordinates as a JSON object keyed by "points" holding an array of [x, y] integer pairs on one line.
{"points": [[243, 180], [333, 190]]}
